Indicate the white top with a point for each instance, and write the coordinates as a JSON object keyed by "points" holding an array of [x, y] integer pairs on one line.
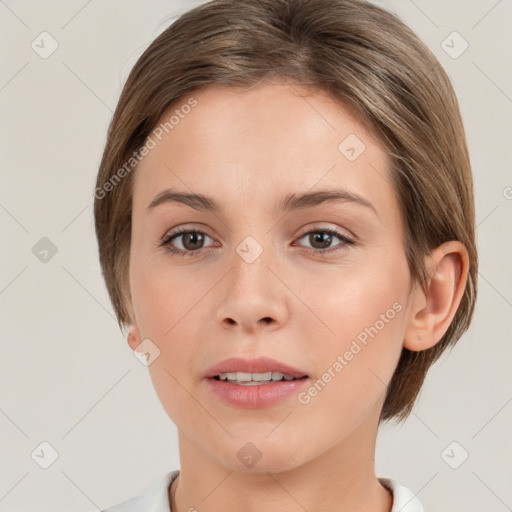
{"points": [[156, 498]]}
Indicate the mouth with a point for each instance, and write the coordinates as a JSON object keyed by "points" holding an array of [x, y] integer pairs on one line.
{"points": [[256, 383], [255, 379], [253, 372]]}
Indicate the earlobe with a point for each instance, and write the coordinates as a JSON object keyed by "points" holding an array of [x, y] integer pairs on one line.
{"points": [[433, 311], [134, 338]]}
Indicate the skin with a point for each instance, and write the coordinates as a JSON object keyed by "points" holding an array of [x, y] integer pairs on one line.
{"points": [[248, 149]]}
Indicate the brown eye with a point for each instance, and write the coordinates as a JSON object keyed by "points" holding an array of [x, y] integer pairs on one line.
{"points": [[185, 242], [321, 240], [192, 241]]}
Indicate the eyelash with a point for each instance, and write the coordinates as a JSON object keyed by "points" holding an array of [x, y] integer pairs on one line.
{"points": [[166, 242]]}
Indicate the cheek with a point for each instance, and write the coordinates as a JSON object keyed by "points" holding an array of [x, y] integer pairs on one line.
{"points": [[364, 308], [160, 295], [351, 297], [170, 312]]}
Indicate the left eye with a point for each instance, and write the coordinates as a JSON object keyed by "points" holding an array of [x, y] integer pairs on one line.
{"points": [[322, 238]]}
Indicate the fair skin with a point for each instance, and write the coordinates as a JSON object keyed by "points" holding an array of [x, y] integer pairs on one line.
{"points": [[248, 150]]}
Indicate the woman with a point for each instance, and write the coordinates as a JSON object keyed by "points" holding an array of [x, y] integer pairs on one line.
{"points": [[285, 219]]}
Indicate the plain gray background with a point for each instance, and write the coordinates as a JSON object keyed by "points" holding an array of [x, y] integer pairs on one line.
{"points": [[68, 377]]}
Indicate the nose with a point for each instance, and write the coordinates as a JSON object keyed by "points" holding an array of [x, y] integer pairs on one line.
{"points": [[253, 297]]}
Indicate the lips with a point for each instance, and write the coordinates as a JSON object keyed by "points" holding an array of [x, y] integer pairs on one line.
{"points": [[257, 365]]}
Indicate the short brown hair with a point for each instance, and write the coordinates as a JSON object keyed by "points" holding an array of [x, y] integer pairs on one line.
{"points": [[363, 57]]}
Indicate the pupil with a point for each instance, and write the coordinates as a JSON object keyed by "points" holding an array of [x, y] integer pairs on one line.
{"points": [[317, 237], [194, 237]]}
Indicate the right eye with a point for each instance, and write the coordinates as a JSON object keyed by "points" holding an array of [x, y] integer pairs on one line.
{"points": [[191, 239]]}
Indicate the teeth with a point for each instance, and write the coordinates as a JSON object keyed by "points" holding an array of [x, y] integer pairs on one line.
{"points": [[254, 377], [259, 376]]}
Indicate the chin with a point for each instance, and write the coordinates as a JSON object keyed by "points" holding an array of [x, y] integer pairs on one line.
{"points": [[260, 455]]}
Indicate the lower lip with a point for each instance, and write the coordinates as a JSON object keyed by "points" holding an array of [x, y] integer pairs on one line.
{"points": [[256, 396]]}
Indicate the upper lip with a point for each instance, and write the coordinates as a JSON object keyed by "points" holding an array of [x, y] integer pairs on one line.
{"points": [[257, 365]]}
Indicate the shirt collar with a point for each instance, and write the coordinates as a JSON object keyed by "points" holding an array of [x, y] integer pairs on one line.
{"points": [[156, 497]]}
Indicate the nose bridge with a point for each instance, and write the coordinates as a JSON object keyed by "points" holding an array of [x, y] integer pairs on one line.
{"points": [[251, 259], [253, 243], [252, 292]]}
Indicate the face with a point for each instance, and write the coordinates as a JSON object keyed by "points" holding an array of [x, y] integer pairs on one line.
{"points": [[320, 285]]}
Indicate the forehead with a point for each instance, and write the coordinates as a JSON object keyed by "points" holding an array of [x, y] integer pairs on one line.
{"points": [[243, 144]]}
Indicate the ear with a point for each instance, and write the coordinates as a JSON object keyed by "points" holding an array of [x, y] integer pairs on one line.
{"points": [[134, 337], [432, 311]]}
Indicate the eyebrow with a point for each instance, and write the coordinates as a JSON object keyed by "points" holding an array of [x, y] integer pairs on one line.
{"points": [[290, 202]]}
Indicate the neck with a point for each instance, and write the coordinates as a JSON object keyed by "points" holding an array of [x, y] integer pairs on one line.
{"points": [[342, 479]]}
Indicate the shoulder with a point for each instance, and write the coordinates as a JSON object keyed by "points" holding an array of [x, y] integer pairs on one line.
{"points": [[154, 499], [404, 500]]}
